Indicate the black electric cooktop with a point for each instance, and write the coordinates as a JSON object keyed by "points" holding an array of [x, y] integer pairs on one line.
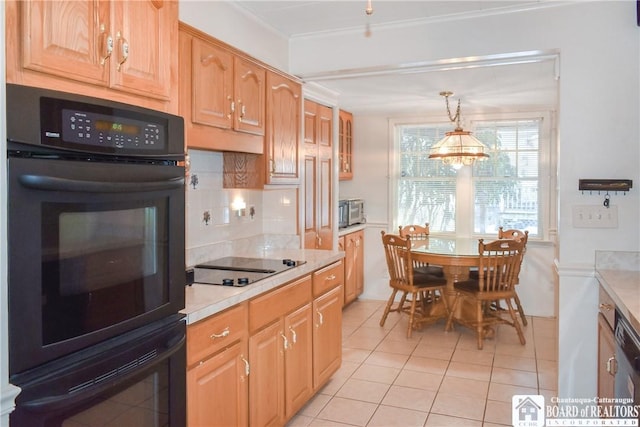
{"points": [[240, 271]]}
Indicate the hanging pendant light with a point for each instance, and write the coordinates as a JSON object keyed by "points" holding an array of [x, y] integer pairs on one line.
{"points": [[369, 9], [458, 148]]}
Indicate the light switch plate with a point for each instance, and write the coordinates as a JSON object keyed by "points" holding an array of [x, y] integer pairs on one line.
{"points": [[595, 216]]}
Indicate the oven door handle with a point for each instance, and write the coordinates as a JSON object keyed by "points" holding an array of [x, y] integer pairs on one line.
{"points": [[50, 183]]}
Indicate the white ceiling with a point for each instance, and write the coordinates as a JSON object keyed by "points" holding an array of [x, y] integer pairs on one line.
{"points": [[484, 84]]}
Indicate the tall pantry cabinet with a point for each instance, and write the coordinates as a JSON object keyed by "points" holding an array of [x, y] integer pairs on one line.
{"points": [[318, 171]]}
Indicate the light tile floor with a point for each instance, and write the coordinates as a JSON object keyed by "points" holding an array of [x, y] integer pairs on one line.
{"points": [[436, 378]]}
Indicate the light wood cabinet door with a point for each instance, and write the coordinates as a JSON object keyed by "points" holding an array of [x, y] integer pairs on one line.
{"points": [[212, 84], [359, 261], [142, 33], [607, 364], [318, 163], [298, 359], [327, 335], [267, 382], [217, 389], [345, 148], [249, 92], [103, 43], [67, 39], [282, 130], [353, 265], [350, 292]]}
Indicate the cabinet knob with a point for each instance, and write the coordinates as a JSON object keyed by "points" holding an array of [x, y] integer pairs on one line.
{"points": [[606, 307]]}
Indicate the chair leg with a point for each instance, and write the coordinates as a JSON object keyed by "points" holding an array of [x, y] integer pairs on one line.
{"points": [[412, 313], [520, 310], [449, 324], [516, 322], [387, 309], [479, 325]]}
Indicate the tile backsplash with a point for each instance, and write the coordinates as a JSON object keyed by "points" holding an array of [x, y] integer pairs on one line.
{"points": [[214, 229]]}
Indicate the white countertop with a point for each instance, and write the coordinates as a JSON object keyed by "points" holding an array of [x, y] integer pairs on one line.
{"points": [[623, 286], [202, 301], [351, 229]]}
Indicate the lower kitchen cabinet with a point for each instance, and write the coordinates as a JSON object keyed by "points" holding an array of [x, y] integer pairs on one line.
{"points": [[353, 265], [218, 369], [298, 357], [266, 390], [607, 363], [327, 332], [288, 346], [217, 389]]}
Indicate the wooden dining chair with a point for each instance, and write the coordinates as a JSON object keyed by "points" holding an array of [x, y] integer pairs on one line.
{"points": [[403, 278], [420, 232], [498, 265], [517, 235], [523, 236]]}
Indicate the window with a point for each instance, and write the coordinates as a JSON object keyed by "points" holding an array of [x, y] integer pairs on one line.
{"points": [[504, 190]]}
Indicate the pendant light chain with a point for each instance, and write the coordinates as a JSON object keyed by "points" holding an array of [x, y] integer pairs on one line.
{"points": [[455, 119]]}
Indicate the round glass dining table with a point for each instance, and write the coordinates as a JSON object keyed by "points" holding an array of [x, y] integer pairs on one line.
{"points": [[455, 255]]}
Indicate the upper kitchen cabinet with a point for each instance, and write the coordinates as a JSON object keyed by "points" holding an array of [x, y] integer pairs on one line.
{"points": [[97, 48], [284, 97], [345, 145], [222, 95], [280, 162], [227, 91]]}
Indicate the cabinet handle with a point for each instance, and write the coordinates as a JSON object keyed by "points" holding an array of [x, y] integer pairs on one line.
{"points": [[233, 107], [612, 365], [124, 50], [243, 110], [107, 45], [606, 307], [320, 318], [223, 334], [285, 342], [246, 365], [272, 167], [332, 277], [294, 336]]}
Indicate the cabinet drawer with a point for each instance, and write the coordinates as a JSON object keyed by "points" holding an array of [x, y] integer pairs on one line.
{"points": [[606, 306], [212, 334], [265, 309], [327, 278]]}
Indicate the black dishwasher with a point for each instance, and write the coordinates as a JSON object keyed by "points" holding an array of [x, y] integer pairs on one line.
{"points": [[627, 384]]}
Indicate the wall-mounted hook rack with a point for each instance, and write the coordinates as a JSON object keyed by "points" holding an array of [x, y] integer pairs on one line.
{"points": [[606, 185]]}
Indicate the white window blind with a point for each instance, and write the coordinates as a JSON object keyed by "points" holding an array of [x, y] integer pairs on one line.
{"points": [[501, 191]]}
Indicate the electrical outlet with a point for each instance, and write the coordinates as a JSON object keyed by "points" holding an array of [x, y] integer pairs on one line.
{"points": [[595, 216]]}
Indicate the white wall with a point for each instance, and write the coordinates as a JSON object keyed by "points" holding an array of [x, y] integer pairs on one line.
{"points": [[598, 135], [232, 25]]}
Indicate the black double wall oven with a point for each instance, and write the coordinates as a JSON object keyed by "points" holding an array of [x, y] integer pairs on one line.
{"points": [[96, 261]]}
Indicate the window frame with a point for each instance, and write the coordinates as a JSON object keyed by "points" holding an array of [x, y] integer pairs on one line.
{"points": [[465, 180]]}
